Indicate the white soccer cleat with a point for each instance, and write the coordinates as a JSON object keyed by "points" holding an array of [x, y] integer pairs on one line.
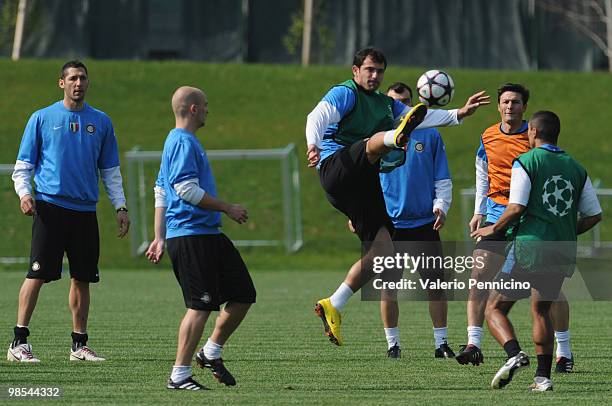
{"points": [[541, 384], [85, 353], [21, 353], [505, 374]]}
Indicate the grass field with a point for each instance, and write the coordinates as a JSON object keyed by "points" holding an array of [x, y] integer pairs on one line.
{"points": [[279, 354], [265, 106]]}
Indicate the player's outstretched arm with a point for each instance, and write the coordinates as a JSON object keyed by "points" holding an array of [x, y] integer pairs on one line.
{"points": [[156, 248], [473, 102]]}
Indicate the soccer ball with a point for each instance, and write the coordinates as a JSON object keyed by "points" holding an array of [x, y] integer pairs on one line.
{"points": [[558, 195], [435, 88]]}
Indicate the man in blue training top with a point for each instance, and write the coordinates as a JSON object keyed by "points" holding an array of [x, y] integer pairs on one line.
{"points": [[206, 264], [348, 133], [418, 195], [68, 146]]}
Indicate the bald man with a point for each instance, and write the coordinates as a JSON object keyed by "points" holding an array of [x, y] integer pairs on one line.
{"points": [[206, 264]]}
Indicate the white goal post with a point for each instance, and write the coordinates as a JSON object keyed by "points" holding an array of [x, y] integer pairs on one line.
{"points": [[140, 194]]}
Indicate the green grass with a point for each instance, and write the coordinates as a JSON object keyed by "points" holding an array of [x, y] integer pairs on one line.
{"points": [[265, 106], [279, 354]]}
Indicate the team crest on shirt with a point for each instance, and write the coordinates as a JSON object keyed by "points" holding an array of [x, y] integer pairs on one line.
{"points": [[419, 147], [35, 266], [90, 128], [74, 127]]}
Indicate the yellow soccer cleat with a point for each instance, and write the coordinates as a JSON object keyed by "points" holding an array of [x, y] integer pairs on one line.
{"points": [[331, 320], [411, 120]]}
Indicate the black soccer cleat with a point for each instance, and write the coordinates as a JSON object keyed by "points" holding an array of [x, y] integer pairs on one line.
{"points": [[219, 371], [394, 352], [565, 365], [444, 351], [186, 384], [470, 354]]}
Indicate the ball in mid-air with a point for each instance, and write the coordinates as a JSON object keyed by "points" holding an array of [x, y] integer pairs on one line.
{"points": [[435, 88]]}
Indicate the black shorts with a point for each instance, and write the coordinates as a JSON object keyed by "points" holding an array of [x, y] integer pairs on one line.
{"points": [[422, 240], [495, 243], [547, 284], [352, 185], [210, 271], [57, 230]]}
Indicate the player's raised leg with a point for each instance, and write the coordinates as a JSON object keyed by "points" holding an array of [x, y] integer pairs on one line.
{"points": [[382, 142]]}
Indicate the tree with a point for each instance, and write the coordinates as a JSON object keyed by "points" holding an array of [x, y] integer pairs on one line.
{"points": [[321, 42], [592, 18]]}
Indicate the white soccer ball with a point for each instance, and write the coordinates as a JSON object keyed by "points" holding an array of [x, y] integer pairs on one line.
{"points": [[435, 88]]}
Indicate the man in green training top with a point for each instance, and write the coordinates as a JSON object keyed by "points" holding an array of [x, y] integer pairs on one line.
{"points": [[348, 133], [548, 190]]}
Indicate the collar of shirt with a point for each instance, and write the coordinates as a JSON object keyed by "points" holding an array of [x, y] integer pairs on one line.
{"points": [[552, 148]]}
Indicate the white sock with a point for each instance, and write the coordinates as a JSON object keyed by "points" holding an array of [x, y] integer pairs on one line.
{"points": [[212, 350], [341, 296], [392, 335], [563, 344], [440, 335], [180, 373], [474, 335], [389, 139]]}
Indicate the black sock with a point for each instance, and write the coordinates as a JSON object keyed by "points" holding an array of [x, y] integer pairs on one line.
{"points": [[512, 348], [544, 365], [21, 336], [78, 340]]}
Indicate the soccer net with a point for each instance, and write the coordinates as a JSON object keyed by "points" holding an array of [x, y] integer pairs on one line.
{"points": [[265, 181], [591, 241]]}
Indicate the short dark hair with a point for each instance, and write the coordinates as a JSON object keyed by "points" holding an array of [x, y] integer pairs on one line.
{"points": [[376, 55], [548, 124], [516, 88], [400, 87], [72, 64]]}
